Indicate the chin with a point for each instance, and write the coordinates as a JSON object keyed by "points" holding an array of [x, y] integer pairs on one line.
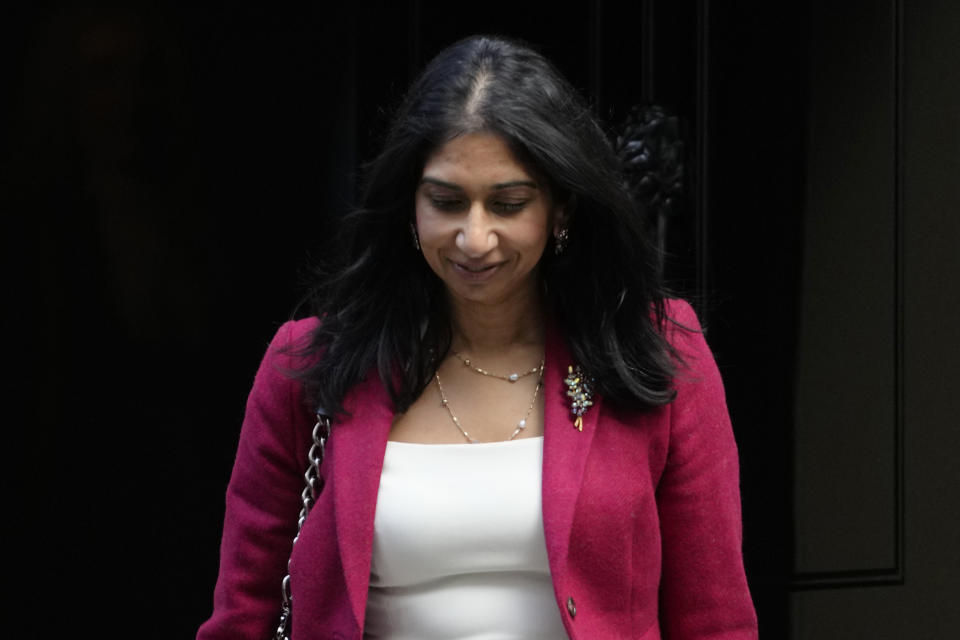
{"points": [[473, 295]]}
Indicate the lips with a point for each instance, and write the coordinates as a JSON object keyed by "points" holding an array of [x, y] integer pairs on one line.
{"points": [[476, 268], [474, 271]]}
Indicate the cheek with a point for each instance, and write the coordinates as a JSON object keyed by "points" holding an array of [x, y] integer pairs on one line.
{"points": [[426, 224], [429, 228], [535, 235], [418, 214], [436, 234]]}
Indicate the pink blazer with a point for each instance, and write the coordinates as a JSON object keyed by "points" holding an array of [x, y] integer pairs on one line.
{"points": [[641, 510]]}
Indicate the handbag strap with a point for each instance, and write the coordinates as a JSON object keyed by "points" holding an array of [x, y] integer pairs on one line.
{"points": [[314, 482]]}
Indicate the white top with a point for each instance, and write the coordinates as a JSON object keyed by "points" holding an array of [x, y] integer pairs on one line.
{"points": [[458, 546]]}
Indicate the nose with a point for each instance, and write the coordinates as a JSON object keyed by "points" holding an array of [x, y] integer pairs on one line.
{"points": [[477, 236]]}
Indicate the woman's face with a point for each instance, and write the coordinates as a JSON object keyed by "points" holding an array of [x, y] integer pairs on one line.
{"points": [[483, 220]]}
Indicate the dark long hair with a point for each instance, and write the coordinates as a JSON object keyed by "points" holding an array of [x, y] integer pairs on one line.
{"points": [[381, 306]]}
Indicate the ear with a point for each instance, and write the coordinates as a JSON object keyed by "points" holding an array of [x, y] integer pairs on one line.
{"points": [[562, 214]]}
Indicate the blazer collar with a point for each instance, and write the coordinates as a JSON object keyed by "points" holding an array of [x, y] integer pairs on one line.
{"points": [[359, 441]]}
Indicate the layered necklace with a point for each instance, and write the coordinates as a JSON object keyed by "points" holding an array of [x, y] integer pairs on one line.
{"points": [[511, 378]]}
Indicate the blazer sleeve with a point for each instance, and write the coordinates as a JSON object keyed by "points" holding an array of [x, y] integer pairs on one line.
{"points": [[703, 589], [263, 500]]}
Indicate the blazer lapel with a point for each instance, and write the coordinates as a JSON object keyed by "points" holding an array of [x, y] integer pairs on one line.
{"points": [[565, 450], [358, 445]]}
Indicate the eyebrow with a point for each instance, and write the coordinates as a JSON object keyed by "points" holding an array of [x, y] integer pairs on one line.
{"points": [[496, 187]]}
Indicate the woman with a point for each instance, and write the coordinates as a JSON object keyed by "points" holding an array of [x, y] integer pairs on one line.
{"points": [[529, 440]]}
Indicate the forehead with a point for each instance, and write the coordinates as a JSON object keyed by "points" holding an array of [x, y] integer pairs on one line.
{"points": [[476, 158]]}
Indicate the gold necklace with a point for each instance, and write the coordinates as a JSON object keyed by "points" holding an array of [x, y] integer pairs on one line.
{"points": [[513, 377], [520, 425]]}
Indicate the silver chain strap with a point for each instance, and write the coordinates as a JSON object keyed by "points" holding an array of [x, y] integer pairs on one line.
{"points": [[321, 433]]}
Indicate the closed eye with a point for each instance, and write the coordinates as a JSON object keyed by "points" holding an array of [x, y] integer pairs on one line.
{"points": [[509, 207], [446, 204]]}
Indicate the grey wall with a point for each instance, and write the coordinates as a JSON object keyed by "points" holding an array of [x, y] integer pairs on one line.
{"points": [[877, 491]]}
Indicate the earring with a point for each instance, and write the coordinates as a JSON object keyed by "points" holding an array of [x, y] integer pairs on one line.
{"points": [[560, 240], [416, 238]]}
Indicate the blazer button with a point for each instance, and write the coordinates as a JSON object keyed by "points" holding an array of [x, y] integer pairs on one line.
{"points": [[571, 607]]}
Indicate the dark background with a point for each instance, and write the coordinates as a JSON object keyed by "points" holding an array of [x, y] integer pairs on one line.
{"points": [[168, 174]]}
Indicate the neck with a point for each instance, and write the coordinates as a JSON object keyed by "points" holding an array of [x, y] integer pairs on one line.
{"points": [[494, 328]]}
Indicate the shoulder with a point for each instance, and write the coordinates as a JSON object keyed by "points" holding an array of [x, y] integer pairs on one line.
{"points": [[291, 342], [277, 411], [679, 315], [294, 333], [683, 331], [287, 354], [697, 371]]}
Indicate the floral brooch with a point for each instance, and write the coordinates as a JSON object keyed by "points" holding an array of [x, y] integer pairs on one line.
{"points": [[580, 391]]}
